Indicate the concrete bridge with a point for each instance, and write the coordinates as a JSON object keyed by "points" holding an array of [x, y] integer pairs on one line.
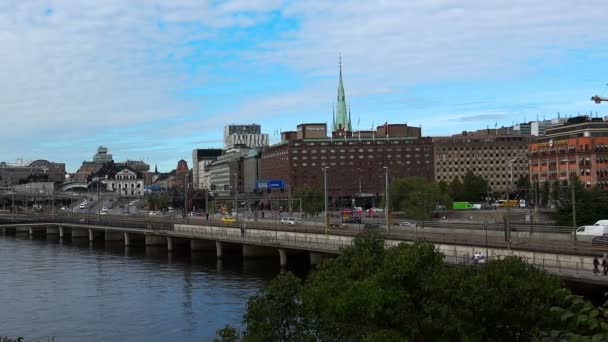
{"points": [[565, 259]]}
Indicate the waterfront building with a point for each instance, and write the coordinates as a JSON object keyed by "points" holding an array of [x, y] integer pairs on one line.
{"points": [[226, 172], [355, 162], [200, 159], [125, 183], [182, 174], [244, 136], [578, 147], [36, 171], [493, 157]]}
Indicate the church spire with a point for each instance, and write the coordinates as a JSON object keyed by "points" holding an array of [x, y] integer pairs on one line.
{"points": [[342, 120]]}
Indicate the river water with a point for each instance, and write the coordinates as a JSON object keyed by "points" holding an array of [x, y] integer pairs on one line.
{"points": [[91, 292]]}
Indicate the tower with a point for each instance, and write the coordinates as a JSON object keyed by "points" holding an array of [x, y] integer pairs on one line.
{"points": [[341, 121]]}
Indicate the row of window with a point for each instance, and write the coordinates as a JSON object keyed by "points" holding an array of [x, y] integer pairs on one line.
{"points": [[369, 156], [304, 164], [484, 148], [360, 150]]}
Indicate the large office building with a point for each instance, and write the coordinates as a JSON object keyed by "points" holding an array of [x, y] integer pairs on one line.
{"points": [[36, 171], [493, 157], [355, 162], [244, 136], [578, 147], [201, 157]]}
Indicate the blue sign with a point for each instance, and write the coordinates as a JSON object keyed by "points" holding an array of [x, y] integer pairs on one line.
{"points": [[276, 184], [270, 184]]}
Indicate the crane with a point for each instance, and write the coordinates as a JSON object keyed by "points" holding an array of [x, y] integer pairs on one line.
{"points": [[599, 99]]}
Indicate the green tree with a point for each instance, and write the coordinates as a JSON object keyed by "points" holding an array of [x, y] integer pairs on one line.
{"points": [[312, 200], [407, 293], [544, 193], [591, 205], [474, 187], [416, 196], [456, 189]]}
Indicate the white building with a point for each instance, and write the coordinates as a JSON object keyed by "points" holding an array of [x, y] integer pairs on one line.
{"points": [[248, 136], [200, 159], [126, 183]]}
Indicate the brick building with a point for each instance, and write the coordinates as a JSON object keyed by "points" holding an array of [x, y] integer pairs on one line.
{"points": [[577, 148]]}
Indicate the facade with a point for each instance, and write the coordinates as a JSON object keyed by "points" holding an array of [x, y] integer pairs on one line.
{"points": [[89, 167], [356, 163], [126, 183], [579, 147], [487, 156], [102, 156], [200, 159], [244, 136], [36, 171], [523, 128], [227, 171], [182, 173]]}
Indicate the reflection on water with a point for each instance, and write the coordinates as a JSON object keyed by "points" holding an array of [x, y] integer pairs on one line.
{"points": [[82, 291]]}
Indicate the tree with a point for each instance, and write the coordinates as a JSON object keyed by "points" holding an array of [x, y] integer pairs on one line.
{"points": [[473, 187], [416, 196], [544, 193], [591, 205], [312, 200], [406, 293], [456, 189]]}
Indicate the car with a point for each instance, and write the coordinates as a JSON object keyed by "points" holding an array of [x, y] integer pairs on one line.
{"points": [[228, 219], [407, 224], [64, 208], [104, 209], [288, 220], [103, 213], [152, 213], [352, 219]]}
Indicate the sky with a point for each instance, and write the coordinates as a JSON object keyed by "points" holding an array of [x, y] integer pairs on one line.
{"points": [[154, 79]]}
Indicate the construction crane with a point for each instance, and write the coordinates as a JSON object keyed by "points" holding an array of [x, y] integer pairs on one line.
{"points": [[598, 99]]}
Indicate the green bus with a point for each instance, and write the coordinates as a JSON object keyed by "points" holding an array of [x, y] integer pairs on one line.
{"points": [[462, 205]]}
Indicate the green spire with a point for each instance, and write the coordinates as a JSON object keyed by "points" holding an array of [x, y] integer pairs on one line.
{"points": [[341, 114]]}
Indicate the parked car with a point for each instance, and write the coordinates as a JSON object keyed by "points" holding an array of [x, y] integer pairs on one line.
{"points": [[104, 209], [407, 224], [288, 220], [599, 228], [352, 219], [228, 219]]}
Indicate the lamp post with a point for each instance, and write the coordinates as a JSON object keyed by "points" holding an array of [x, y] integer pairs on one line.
{"points": [[325, 197], [386, 200], [573, 208], [186, 197], [13, 205], [98, 200], [236, 209], [508, 237]]}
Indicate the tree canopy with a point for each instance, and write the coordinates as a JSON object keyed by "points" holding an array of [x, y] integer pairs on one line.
{"points": [[404, 293], [416, 196], [312, 200], [591, 205]]}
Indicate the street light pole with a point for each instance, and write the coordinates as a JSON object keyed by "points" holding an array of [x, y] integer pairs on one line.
{"points": [[236, 209], [509, 204], [573, 208], [386, 200], [13, 206], [186, 197], [98, 203], [325, 198]]}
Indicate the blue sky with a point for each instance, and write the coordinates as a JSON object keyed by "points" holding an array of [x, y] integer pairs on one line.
{"points": [[153, 80]]}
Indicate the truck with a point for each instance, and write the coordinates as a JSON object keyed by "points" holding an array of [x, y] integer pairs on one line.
{"points": [[599, 228], [462, 205]]}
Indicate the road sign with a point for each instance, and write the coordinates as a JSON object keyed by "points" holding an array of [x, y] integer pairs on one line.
{"points": [[276, 184]]}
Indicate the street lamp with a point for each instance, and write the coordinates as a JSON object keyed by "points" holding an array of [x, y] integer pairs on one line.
{"points": [[386, 200], [236, 210], [508, 237], [98, 204], [325, 197]]}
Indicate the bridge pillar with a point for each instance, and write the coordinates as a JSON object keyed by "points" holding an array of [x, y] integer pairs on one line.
{"points": [[52, 230], [153, 240], [127, 239], [283, 256], [112, 236], [169, 243], [315, 258], [61, 232], [201, 245], [218, 249], [30, 231], [91, 234]]}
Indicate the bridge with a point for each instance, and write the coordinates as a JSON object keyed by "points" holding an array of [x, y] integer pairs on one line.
{"points": [[75, 185], [571, 260]]}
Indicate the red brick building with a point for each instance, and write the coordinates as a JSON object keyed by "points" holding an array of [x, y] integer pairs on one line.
{"points": [[577, 148]]}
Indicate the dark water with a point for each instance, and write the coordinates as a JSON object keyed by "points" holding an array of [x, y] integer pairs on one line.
{"points": [[83, 292]]}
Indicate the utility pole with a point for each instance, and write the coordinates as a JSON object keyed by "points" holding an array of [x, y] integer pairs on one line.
{"points": [[325, 198], [236, 209], [98, 203], [13, 206], [508, 230], [573, 208], [386, 200], [186, 197]]}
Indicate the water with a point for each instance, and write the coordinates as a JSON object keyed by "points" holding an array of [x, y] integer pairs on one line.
{"points": [[83, 292]]}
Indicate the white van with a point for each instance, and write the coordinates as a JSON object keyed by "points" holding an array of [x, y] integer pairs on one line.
{"points": [[599, 228]]}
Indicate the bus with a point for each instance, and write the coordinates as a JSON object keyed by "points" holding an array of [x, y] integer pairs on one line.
{"points": [[514, 203]]}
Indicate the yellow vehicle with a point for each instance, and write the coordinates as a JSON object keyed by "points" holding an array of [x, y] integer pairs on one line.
{"points": [[228, 219]]}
